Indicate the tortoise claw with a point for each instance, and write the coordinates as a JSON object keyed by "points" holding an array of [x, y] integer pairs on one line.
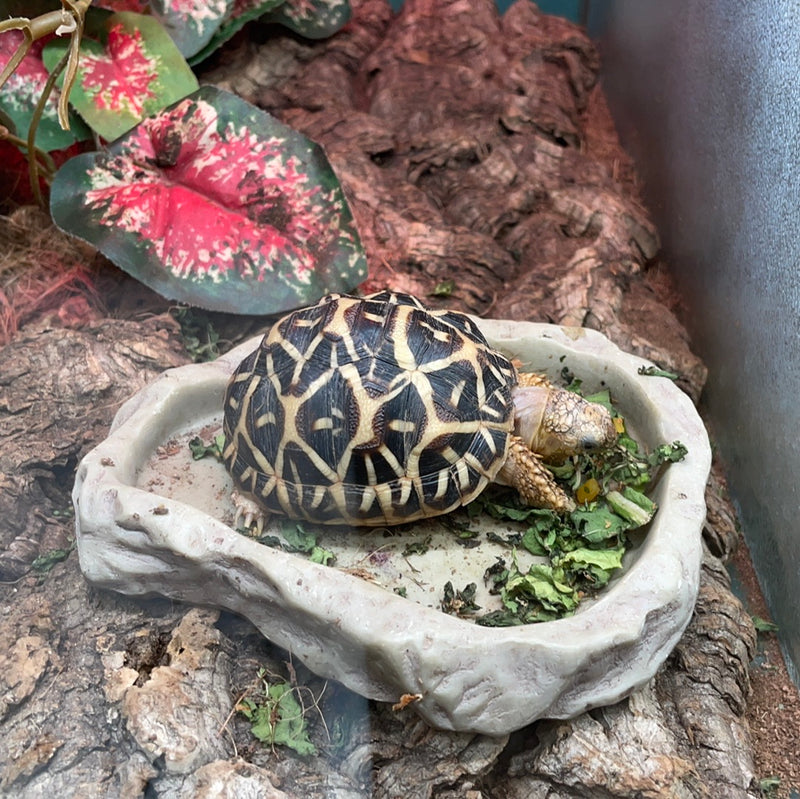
{"points": [[248, 511]]}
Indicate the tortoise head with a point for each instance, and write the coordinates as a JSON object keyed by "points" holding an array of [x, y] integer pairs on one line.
{"points": [[556, 423]]}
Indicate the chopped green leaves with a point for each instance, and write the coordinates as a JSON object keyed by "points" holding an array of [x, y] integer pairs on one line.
{"points": [[631, 505], [460, 603], [200, 449], [45, 562], [417, 547], [199, 336], [763, 625], [667, 453], [296, 538], [543, 593], [583, 549]]}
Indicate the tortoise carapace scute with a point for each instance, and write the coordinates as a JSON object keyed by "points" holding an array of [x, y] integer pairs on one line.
{"points": [[371, 411]]}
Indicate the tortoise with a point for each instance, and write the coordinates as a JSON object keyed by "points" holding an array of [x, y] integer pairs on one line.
{"points": [[378, 411]]}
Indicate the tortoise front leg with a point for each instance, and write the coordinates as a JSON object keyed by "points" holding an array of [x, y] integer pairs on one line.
{"points": [[524, 471]]}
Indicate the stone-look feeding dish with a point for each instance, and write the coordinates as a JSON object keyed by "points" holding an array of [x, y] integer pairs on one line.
{"points": [[137, 535]]}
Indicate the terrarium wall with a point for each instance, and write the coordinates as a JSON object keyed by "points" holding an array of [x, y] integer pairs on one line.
{"points": [[707, 97]]}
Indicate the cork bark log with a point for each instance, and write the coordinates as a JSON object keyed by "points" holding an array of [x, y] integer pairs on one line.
{"points": [[477, 154]]}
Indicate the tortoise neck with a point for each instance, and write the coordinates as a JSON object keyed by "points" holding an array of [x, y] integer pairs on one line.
{"points": [[530, 403]]}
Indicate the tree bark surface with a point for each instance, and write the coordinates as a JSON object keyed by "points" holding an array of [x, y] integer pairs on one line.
{"points": [[480, 162]]}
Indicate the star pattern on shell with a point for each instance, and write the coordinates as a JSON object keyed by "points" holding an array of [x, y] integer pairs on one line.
{"points": [[369, 411]]}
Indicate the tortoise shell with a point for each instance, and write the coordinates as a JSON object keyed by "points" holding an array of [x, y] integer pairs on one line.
{"points": [[368, 411]]}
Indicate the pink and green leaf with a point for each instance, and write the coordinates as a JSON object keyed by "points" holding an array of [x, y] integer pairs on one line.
{"points": [[215, 203], [133, 70], [239, 14], [314, 19], [21, 92], [138, 6], [191, 23]]}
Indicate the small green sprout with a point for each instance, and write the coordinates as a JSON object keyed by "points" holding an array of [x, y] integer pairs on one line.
{"points": [[444, 288], [277, 717], [654, 371]]}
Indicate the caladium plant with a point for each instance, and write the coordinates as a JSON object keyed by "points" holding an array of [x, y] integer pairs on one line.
{"points": [[190, 23], [201, 196], [212, 199], [242, 12], [131, 70], [21, 92], [314, 19]]}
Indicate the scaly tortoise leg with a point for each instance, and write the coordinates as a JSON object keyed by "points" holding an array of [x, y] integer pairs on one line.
{"points": [[524, 471]]}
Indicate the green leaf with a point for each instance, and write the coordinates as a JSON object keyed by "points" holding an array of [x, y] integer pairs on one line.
{"points": [[543, 583], [132, 71], [539, 541], [459, 603], [769, 786], [192, 23], [585, 558], [512, 618], [322, 556], [199, 336], [512, 511], [280, 720], [21, 92], [243, 11], [291, 729], [297, 538], [200, 449], [764, 626], [654, 371], [668, 453], [418, 547], [215, 203], [444, 288], [632, 506], [314, 19], [602, 398], [597, 522], [44, 563], [496, 576]]}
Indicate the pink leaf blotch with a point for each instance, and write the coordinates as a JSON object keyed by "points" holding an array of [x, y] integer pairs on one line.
{"points": [[130, 70], [217, 205], [120, 79]]}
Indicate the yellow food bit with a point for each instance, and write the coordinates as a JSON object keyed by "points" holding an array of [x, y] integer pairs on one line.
{"points": [[619, 424], [587, 491]]}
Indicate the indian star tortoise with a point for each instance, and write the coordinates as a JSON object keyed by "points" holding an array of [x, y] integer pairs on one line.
{"points": [[378, 411]]}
